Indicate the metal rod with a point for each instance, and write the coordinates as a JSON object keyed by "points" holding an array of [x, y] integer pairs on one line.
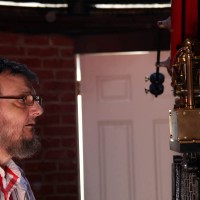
{"points": [[190, 100]]}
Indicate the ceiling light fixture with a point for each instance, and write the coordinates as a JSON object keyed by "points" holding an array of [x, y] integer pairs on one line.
{"points": [[33, 4], [131, 6]]}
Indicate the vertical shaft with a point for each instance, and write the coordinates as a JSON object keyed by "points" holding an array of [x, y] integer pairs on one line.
{"points": [[189, 77]]}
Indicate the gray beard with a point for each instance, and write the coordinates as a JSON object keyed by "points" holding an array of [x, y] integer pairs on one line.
{"points": [[24, 148]]}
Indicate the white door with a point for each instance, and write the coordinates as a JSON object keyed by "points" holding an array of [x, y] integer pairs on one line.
{"points": [[125, 131]]}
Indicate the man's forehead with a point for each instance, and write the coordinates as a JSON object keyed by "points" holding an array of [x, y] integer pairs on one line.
{"points": [[9, 82]]}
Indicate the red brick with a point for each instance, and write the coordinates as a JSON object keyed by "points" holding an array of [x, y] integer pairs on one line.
{"points": [[51, 96], [9, 38], [65, 75], [55, 131], [67, 166], [59, 108], [44, 74], [36, 167], [68, 119], [63, 197], [11, 50], [62, 177], [36, 40], [59, 64], [56, 154], [44, 52], [68, 97], [58, 85], [34, 177], [66, 188], [31, 63], [67, 52], [62, 41], [51, 142], [49, 119], [69, 142], [45, 188]]}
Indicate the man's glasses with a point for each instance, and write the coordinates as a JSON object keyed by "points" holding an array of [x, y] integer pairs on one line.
{"points": [[28, 99]]}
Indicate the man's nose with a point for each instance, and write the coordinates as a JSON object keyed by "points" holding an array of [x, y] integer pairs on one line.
{"points": [[36, 109]]}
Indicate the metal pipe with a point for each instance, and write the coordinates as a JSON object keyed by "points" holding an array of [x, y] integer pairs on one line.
{"points": [[189, 77]]}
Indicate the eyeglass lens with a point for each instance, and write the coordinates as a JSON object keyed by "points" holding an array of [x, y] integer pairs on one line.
{"points": [[29, 100]]}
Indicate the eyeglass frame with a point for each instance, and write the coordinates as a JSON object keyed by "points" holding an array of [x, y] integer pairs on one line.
{"points": [[24, 98]]}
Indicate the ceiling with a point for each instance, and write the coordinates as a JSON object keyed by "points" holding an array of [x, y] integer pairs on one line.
{"points": [[93, 29]]}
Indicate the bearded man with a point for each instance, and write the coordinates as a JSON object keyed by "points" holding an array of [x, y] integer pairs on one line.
{"points": [[19, 108]]}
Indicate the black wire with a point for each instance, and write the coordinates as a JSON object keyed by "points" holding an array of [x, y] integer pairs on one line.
{"points": [[158, 52]]}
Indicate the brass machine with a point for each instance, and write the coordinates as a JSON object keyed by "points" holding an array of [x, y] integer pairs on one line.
{"points": [[184, 118], [184, 122]]}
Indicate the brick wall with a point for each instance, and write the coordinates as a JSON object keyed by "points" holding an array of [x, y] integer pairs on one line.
{"points": [[53, 172]]}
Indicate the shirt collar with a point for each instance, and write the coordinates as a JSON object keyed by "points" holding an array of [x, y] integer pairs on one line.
{"points": [[14, 168]]}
